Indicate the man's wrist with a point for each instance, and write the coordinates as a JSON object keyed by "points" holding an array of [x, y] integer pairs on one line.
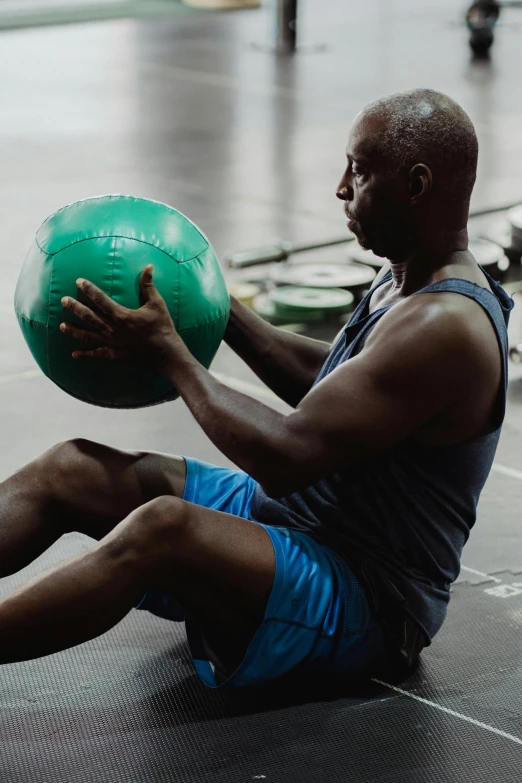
{"points": [[175, 359], [233, 318]]}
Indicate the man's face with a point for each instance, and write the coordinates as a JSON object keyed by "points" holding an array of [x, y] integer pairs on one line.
{"points": [[376, 201]]}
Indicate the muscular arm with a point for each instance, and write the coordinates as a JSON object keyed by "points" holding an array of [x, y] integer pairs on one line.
{"points": [[287, 363], [421, 360]]}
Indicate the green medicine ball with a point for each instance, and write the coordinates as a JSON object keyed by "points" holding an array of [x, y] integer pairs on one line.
{"points": [[109, 240]]}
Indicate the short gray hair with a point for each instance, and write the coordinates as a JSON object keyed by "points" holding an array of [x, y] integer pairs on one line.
{"points": [[425, 126]]}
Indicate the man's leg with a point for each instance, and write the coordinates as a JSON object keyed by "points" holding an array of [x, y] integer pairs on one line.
{"points": [[219, 567], [78, 486]]}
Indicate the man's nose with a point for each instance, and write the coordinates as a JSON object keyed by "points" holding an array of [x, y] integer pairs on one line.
{"points": [[344, 191]]}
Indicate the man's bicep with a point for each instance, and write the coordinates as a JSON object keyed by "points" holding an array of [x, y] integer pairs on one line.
{"points": [[395, 386], [358, 410]]}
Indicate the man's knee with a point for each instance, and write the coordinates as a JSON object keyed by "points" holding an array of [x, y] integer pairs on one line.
{"points": [[157, 531], [66, 461], [165, 517]]}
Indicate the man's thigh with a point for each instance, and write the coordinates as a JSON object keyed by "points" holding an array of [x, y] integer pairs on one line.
{"points": [[97, 486], [261, 600], [222, 573]]}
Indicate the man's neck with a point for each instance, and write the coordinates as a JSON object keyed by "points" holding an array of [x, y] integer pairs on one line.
{"points": [[417, 271]]}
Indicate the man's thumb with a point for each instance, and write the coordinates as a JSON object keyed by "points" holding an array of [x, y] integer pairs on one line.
{"points": [[148, 289]]}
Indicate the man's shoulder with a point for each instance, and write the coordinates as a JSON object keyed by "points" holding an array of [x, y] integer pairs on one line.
{"points": [[435, 325]]}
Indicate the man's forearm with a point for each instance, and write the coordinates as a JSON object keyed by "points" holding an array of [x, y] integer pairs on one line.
{"points": [[249, 433], [287, 363]]}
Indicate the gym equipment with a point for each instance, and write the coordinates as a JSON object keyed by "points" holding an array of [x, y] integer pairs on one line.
{"points": [[358, 255], [286, 26], [490, 256], [310, 304], [244, 292], [281, 250], [515, 223], [499, 232], [481, 18], [264, 307], [278, 251], [354, 278], [109, 240]]}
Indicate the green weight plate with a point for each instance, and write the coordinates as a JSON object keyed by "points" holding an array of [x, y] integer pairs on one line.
{"points": [[320, 275], [303, 316], [298, 299], [266, 309]]}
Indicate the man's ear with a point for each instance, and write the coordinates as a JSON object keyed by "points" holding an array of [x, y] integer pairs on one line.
{"points": [[420, 181]]}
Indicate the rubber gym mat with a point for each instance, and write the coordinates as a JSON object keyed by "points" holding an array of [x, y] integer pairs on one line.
{"points": [[39, 13], [128, 707]]}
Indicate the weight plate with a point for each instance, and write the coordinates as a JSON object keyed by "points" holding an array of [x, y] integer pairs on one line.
{"points": [[258, 275], [515, 217], [320, 275], [244, 292], [489, 255], [297, 299], [485, 252], [361, 256], [266, 309], [515, 220], [499, 232]]}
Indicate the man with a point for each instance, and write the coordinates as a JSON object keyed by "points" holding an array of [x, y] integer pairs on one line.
{"points": [[333, 549]]}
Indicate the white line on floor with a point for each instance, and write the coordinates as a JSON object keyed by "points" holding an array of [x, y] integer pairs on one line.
{"points": [[459, 715], [511, 472], [481, 573]]}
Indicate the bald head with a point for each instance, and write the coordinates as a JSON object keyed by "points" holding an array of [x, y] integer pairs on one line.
{"points": [[412, 161], [425, 126]]}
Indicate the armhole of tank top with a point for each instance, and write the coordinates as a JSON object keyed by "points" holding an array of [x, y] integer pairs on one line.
{"points": [[500, 403]]}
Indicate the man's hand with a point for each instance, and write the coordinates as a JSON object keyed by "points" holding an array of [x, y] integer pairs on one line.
{"points": [[118, 332]]}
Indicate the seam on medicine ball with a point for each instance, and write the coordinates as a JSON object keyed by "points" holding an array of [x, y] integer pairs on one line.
{"points": [[178, 294], [130, 239], [29, 320], [113, 253], [194, 258], [47, 349]]}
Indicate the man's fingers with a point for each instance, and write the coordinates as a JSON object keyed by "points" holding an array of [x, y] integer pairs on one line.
{"points": [[101, 300], [85, 313], [100, 353], [83, 334], [147, 287]]}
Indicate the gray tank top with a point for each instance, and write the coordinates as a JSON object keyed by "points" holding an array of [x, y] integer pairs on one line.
{"points": [[402, 518]]}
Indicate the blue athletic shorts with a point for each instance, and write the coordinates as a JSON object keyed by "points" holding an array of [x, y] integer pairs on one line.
{"points": [[317, 617]]}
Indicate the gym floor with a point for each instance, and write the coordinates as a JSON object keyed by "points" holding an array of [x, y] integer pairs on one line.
{"points": [[198, 112]]}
